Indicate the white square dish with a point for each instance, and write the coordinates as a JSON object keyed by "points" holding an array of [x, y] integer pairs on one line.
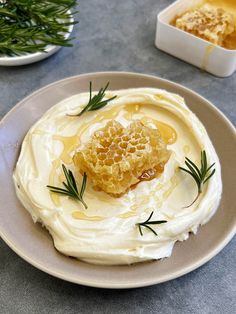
{"points": [[185, 46]]}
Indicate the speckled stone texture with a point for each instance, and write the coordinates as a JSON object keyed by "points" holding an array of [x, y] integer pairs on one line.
{"points": [[117, 35]]}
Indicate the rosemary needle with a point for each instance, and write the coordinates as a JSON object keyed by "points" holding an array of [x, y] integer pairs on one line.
{"points": [[97, 101], [70, 185], [147, 224], [200, 174]]}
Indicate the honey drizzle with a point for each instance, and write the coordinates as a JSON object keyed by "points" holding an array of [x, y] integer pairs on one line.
{"points": [[70, 143], [128, 214], [131, 109], [186, 149], [174, 183], [82, 216], [206, 56], [168, 134]]}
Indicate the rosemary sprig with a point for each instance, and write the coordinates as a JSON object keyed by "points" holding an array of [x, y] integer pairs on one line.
{"points": [[30, 26], [96, 102], [70, 185], [147, 222], [200, 174]]}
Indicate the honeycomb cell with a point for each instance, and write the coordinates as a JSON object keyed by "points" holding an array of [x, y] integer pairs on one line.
{"points": [[109, 162], [131, 155], [117, 158], [102, 156], [131, 150], [123, 145]]}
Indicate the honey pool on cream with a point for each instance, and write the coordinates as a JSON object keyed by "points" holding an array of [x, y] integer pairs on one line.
{"points": [[106, 232]]}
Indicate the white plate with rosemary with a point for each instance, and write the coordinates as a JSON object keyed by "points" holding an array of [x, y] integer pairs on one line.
{"points": [[34, 244], [33, 31]]}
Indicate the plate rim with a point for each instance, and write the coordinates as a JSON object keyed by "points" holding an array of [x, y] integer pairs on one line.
{"points": [[213, 252]]}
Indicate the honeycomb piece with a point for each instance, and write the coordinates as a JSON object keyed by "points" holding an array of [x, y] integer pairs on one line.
{"points": [[207, 22], [116, 157]]}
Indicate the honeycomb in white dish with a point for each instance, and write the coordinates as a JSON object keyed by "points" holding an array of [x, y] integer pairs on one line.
{"points": [[207, 22], [117, 158]]}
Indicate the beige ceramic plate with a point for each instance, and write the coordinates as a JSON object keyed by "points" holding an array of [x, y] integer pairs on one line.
{"points": [[34, 244]]}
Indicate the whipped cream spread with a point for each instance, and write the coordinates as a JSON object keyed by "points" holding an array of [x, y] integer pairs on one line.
{"points": [[106, 233]]}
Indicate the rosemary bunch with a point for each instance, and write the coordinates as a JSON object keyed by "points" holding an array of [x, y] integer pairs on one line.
{"points": [[28, 26]]}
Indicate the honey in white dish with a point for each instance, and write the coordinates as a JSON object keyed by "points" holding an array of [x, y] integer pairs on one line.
{"points": [[212, 20]]}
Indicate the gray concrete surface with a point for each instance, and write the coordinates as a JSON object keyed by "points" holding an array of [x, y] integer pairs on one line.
{"points": [[117, 35]]}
